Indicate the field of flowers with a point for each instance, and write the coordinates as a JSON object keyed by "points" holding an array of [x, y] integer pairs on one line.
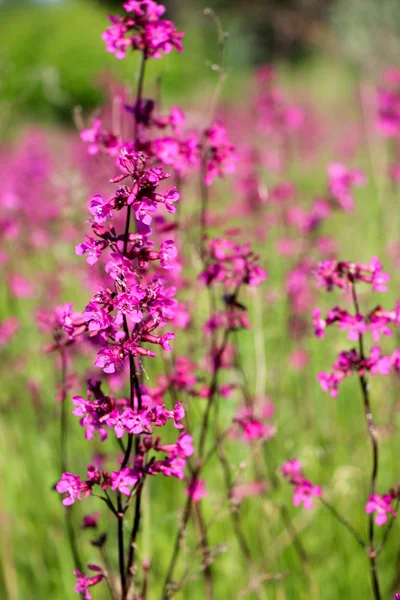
{"points": [[199, 342]]}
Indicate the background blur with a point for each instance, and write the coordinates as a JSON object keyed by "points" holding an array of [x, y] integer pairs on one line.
{"points": [[51, 57]]}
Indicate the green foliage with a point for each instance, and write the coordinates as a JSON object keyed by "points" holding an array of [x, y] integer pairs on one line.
{"points": [[55, 60]]}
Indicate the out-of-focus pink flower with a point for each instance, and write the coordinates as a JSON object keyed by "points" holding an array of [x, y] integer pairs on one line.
{"points": [[197, 490], [382, 506]]}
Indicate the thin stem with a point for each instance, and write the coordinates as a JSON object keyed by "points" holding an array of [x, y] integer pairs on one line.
{"points": [[211, 394], [234, 510], [64, 412], [344, 522], [135, 531], [126, 233], [121, 550], [64, 457], [139, 95], [375, 458], [204, 206], [205, 547], [178, 541]]}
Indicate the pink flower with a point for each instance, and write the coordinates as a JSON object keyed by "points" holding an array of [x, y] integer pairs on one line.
{"points": [[110, 359], [83, 582], [291, 468], [123, 480], [100, 209], [73, 487], [8, 328], [197, 490], [381, 505], [168, 254], [220, 152], [299, 359], [92, 248], [184, 445], [142, 29], [303, 489], [304, 492], [239, 492], [341, 180]]}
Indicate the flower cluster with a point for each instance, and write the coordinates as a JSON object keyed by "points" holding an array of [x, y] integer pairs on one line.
{"points": [[117, 415], [388, 104], [231, 264], [142, 29], [121, 318], [126, 479], [349, 362], [341, 180], [378, 322], [253, 424], [100, 139], [220, 153], [342, 274], [304, 490]]}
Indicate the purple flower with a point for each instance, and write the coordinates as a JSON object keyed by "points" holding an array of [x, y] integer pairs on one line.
{"points": [[83, 582], [110, 359], [197, 490], [303, 489], [92, 248], [303, 493], [100, 209], [123, 480], [382, 506], [73, 487]]}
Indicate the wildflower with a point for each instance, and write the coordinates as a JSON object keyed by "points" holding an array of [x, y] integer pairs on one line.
{"points": [[303, 489], [381, 505], [123, 480], [83, 582], [73, 487], [99, 139], [220, 153], [142, 29], [341, 180], [303, 493], [196, 490]]}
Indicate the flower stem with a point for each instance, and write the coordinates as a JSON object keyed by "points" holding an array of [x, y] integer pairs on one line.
{"points": [[64, 457], [121, 551], [375, 458], [139, 95]]}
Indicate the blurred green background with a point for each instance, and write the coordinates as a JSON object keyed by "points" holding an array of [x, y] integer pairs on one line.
{"points": [[51, 57]]}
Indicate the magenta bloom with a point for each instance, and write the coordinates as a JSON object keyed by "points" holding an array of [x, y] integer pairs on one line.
{"points": [[123, 480], [341, 180], [142, 29], [291, 468], [303, 489], [83, 582], [303, 493], [73, 487], [197, 490], [100, 209], [220, 152], [382, 506], [8, 328]]}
